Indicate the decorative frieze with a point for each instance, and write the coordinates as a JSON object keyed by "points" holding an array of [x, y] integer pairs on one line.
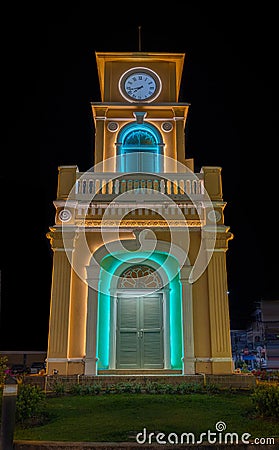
{"points": [[138, 223]]}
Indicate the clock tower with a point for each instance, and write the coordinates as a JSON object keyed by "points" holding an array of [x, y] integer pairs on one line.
{"points": [[139, 242]]}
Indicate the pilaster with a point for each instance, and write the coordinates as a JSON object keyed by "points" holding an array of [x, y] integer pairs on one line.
{"points": [[91, 360], [221, 356], [99, 118], [187, 319], [180, 134], [62, 244]]}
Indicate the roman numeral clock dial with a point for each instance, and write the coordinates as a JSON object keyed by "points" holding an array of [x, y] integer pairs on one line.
{"points": [[140, 85]]}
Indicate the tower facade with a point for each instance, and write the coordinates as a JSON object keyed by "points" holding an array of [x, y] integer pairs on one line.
{"points": [[139, 241]]}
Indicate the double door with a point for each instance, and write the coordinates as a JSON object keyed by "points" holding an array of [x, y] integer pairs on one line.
{"points": [[139, 340], [139, 161]]}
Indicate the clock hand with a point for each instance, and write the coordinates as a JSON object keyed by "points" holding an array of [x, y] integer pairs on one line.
{"points": [[136, 88]]}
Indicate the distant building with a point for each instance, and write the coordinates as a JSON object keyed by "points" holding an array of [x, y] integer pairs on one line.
{"points": [[258, 345], [270, 321]]}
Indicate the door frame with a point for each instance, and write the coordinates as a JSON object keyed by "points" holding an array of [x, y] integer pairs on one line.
{"points": [[166, 322]]}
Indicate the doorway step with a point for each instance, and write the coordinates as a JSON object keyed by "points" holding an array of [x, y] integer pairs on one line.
{"points": [[139, 372]]}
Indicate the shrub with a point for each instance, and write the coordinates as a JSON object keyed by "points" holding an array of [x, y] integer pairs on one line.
{"points": [[127, 387], [58, 387], [212, 388], [154, 387], [76, 389], [92, 389], [266, 400], [30, 404], [190, 388]]}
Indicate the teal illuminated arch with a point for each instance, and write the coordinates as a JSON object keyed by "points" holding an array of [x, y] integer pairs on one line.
{"points": [[112, 265], [140, 148]]}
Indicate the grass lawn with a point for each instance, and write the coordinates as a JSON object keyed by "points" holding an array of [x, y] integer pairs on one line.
{"points": [[119, 417]]}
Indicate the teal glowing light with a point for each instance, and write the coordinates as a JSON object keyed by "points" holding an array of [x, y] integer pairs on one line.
{"points": [[109, 265]]}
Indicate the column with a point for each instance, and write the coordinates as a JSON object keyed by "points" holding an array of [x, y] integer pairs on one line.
{"points": [[166, 315], [62, 244], [187, 319], [221, 355], [91, 360]]}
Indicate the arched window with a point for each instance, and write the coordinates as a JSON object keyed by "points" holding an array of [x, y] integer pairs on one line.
{"points": [[140, 139], [140, 148], [140, 277]]}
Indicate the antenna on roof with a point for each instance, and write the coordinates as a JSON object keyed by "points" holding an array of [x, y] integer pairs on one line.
{"points": [[139, 38]]}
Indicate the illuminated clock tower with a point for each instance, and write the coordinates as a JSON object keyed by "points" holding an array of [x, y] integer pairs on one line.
{"points": [[139, 242]]}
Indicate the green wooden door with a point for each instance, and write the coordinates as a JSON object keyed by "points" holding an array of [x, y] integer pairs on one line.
{"points": [[140, 332]]}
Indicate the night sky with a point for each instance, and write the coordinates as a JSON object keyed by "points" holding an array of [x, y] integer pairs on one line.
{"points": [[49, 77]]}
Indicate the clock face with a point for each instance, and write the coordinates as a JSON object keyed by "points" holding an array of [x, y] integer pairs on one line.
{"points": [[140, 85]]}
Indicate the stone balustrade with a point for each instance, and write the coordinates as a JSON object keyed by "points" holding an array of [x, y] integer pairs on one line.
{"points": [[98, 186]]}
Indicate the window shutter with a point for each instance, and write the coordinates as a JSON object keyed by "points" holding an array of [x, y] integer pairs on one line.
{"points": [[152, 346], [128, 351]]}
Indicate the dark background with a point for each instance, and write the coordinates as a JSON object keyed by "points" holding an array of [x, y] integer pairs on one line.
{"points": [[49, 78]]}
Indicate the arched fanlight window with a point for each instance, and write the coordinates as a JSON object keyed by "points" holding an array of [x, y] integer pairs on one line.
{"points": [[140, 139], [140, 277]]}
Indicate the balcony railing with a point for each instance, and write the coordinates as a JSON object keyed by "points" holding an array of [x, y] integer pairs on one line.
{"points": [[104, 186]]}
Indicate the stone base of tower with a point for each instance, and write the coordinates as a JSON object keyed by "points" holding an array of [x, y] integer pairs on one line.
{"points": [[79, 368], [221, 368], [65, 367], [215, 367]]}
